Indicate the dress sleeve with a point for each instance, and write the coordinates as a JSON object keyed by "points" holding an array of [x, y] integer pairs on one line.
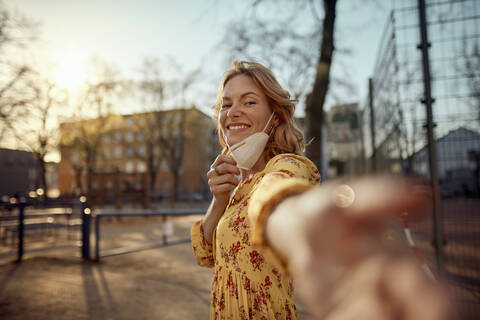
{"points": [[202, 251], [286, 175]]}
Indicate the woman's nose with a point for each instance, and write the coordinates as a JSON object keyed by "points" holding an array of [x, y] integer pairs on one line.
{"points": [[234, 110]]}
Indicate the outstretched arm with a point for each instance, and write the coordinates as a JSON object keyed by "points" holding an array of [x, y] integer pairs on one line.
{"points": [[329, 237]]}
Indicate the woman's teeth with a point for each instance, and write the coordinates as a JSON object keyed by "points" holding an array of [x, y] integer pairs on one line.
{"points": [[238, 127]]}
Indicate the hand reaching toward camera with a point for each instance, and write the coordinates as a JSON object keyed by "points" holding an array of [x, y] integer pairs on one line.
{"points": [[335, 252]]}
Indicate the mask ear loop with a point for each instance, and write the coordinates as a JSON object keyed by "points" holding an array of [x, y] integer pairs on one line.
{"points": [[268, 122], [225, 139]]}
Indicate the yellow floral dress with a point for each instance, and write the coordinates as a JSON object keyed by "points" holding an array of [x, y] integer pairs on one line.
{"points": [[249, 281]]}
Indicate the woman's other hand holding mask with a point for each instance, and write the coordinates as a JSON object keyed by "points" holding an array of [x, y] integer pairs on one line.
{"points": [[221, 178]]}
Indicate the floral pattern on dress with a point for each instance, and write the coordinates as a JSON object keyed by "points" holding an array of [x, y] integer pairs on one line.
{"points": [[247, 284]]}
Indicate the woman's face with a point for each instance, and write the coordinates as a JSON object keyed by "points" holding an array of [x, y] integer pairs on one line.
{"points": [[244, 110]]}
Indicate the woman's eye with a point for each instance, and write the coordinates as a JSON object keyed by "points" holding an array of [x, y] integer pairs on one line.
{"points": [[226, 106], [250, 103]]}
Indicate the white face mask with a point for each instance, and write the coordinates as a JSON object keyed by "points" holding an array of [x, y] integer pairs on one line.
{"points": [[247, 152]]}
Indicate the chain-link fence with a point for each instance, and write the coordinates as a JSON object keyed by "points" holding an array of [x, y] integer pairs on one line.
{"points": [[397, 126]]}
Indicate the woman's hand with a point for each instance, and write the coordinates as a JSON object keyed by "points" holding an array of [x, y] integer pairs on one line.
{"points": [[341, 267], [221, 178]]}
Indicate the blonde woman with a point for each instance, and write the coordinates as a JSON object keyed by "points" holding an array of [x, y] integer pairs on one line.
{"points": [[269, 218]]}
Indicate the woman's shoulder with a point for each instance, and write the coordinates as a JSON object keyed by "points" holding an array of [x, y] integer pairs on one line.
{"points": [[294, 163]]}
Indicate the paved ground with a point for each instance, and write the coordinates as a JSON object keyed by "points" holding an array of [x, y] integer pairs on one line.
{"points": [[162, 283]]}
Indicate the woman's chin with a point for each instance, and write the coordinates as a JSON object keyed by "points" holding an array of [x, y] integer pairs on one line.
{"points": [[235, 139]]}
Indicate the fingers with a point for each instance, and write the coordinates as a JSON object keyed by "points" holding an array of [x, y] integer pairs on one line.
{"points": [[385, 196], [369, 201], [228, 179], [222, 158], [386, 286], [222, 175], [223, 165]]}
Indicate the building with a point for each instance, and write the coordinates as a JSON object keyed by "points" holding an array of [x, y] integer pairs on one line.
{"points": [[159, 145], [458, 160], [345, 140]]}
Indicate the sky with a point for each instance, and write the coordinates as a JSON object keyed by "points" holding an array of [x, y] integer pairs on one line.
{"points": [[123, 32]]}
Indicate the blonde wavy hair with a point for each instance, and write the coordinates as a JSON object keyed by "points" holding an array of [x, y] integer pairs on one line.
{"points": [[286, 138]]}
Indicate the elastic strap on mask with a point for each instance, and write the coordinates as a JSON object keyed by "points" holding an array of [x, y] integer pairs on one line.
{"points": [[268, 122]]}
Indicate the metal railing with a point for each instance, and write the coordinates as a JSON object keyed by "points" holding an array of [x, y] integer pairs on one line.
{"points": [[15, 225], [100, 214]]}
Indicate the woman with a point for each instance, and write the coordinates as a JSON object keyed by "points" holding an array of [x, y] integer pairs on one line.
{"points": [[267, 218]]}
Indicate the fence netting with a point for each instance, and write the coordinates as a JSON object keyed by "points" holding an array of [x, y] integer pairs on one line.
{"points": [[396, 143]]}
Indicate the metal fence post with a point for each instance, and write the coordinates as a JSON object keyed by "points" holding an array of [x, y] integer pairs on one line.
{"points": [[85, 228], [21, 218], [372, 125], [97, 237], [164, 236], [432, 156]]}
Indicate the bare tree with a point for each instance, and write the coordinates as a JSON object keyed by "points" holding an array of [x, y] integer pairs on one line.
{"points": [[162, 130], [38, 130], [314, 108], [16, 89], [470, 68], [94, 117], [307, 55]]}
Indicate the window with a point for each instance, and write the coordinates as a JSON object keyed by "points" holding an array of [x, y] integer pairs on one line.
{"points": [[166, 185], [118, 152], [164, 165], [129, 152], [178, 117], [141, 167], [75, 157], [141, 150], [118, 136], [106, 153], [140, 136], [129, 136], [106, 138], [129, 167]]}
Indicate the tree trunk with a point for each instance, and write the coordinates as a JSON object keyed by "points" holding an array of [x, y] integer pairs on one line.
{"points": [[43, 177], [174, 192], [153, 178], [314, 114]]}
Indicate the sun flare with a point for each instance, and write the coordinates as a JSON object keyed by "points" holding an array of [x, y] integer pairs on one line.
{"points": [[70, 71]]}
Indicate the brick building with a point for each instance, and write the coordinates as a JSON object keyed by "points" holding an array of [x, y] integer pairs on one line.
{"points": [[160, 145]]}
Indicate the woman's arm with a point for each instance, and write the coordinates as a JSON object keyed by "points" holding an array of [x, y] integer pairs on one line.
{"points": [[221, 179], [330, 238]]}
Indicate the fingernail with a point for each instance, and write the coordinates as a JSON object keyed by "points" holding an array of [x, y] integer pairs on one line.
{"points": [[343, 196]]}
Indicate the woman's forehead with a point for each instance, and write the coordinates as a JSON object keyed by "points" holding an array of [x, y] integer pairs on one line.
{"points": [[240, 85]]}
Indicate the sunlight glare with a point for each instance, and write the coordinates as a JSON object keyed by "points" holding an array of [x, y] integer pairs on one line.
{"points": [[70, 71]]}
